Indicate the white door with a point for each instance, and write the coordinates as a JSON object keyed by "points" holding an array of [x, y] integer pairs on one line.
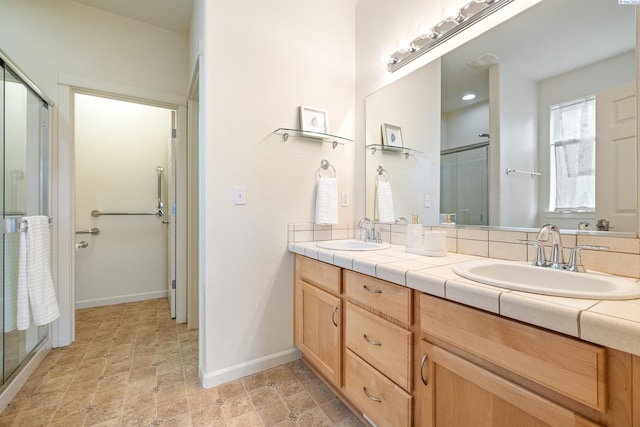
{"points": [[616, 182], [170, 219]]}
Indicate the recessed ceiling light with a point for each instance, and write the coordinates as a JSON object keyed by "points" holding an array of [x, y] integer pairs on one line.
{"points": [[469, 97]]}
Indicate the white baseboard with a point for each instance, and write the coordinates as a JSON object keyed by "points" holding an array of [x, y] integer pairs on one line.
{"points": [[14, 385], [221, 376], [120, 299]]}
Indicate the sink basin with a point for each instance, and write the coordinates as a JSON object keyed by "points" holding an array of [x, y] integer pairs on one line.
{"points": [[540, 280], [352, 245]]}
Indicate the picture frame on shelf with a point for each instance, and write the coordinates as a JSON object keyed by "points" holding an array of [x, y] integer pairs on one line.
{"points": [[313, 121], [392, 136]]}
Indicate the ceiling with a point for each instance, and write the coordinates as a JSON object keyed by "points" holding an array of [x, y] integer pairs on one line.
{"points": [[550, 38], [172, 15]]}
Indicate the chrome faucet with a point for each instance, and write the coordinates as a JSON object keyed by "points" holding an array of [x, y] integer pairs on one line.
{"points": [[370, 233], [557, 257]]}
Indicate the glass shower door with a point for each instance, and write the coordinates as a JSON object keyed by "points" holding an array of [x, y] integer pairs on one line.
{"points": [[24, 170], [464, 185]]}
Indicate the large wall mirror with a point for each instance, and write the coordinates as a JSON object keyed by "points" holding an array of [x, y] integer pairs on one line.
{"points": [[520, 153]]}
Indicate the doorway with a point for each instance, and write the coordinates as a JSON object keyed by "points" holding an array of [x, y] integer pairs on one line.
{"points": [[124, 210]]}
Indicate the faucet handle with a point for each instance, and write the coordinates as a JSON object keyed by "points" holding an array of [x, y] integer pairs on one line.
{"points": [[540, 260], [575, 260]]}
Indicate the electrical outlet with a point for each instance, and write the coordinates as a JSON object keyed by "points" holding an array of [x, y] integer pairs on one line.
{"points": [[345, 198], [427, 200], [239, 195]]}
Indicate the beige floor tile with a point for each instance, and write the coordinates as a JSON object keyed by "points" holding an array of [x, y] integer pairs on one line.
{"points": [[132, 365]]}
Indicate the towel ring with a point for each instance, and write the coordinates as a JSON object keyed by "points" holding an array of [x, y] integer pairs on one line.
{"points": [[382, 172], [325, 165]]}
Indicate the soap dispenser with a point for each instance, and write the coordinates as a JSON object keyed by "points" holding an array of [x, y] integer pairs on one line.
{"points": [[414, 233]]}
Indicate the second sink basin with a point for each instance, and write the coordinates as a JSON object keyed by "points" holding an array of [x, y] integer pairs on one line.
{"points": [[352, 245], [528, 278]]}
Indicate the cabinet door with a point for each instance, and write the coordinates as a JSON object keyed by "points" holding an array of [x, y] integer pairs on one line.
{"points": [[320, 315], [456, 392]]}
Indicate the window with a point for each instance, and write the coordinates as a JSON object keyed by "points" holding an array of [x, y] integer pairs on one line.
{"points": [[573, 156]]}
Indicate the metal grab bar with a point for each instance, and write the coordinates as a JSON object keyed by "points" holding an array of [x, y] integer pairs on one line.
{"points": [[533, 174], [160, 169], [96, 213], [93, 231]]}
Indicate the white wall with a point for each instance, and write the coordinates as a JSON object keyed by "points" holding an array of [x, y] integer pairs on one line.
{"points": [[514, 142], [413, 104], [49, 39], [465, 124], [256, 74], [118, 146]]}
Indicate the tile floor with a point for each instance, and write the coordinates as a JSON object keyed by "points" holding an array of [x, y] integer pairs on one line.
{"points": [[132, 365]]}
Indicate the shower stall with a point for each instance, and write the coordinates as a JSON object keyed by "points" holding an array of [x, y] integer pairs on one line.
{"points": [[464, 183], [24, 171]]}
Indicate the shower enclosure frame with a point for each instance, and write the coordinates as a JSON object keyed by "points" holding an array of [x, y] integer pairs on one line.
{"points": [[35, 159]]}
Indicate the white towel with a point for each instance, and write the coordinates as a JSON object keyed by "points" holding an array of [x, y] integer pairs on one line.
{"points": [[384, 202], [327, 201], [35, 285]]}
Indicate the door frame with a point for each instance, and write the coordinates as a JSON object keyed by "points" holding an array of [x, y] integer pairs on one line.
{"points": [[63, 180]]}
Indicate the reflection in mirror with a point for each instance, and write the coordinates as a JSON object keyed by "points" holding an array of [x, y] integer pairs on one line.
{"points": [[520, 72], [413, 105]]}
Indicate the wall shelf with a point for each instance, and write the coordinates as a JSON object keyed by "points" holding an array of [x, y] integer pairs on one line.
{"points": [[324, 137], [397, 150]]}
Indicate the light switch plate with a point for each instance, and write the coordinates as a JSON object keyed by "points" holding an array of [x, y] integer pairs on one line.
{"points": [[345, 198], [239, 195], [427, 200]]}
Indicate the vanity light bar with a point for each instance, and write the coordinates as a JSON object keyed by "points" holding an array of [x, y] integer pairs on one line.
{"points": [[468, 15]]}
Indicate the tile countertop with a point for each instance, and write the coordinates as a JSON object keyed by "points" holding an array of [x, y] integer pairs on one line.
{"points": [[614, 324]]}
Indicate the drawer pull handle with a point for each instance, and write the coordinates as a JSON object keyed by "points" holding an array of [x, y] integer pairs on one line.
{"points": [[422, 362], [333, 316], [375, 399], [373, 291], [366, 338]]}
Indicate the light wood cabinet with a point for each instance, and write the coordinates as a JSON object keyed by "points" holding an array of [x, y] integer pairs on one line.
{"points": [[383, 345], [505, 372], [318, 317], [379, 341], [568, 366], [367, 337], [388, 298], [380, 399], [460, 393]]}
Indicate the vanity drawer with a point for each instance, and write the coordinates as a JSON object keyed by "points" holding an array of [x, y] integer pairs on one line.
{"points": [[383, 345], [388, 298], [381, 400], [318, 273], [565, 365]]}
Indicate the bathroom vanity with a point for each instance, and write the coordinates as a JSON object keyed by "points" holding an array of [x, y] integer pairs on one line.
{"points": [[402, 349]]}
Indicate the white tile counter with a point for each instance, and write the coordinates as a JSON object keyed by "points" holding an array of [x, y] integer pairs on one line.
{"points": [[614, 324]]}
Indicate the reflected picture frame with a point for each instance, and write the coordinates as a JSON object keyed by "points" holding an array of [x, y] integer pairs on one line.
{"points": [[392, 135], [313, 121]]}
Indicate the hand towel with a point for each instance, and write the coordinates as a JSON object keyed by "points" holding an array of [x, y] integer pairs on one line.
{"points": [[327, 201], [35, 285], [384, 202]]}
